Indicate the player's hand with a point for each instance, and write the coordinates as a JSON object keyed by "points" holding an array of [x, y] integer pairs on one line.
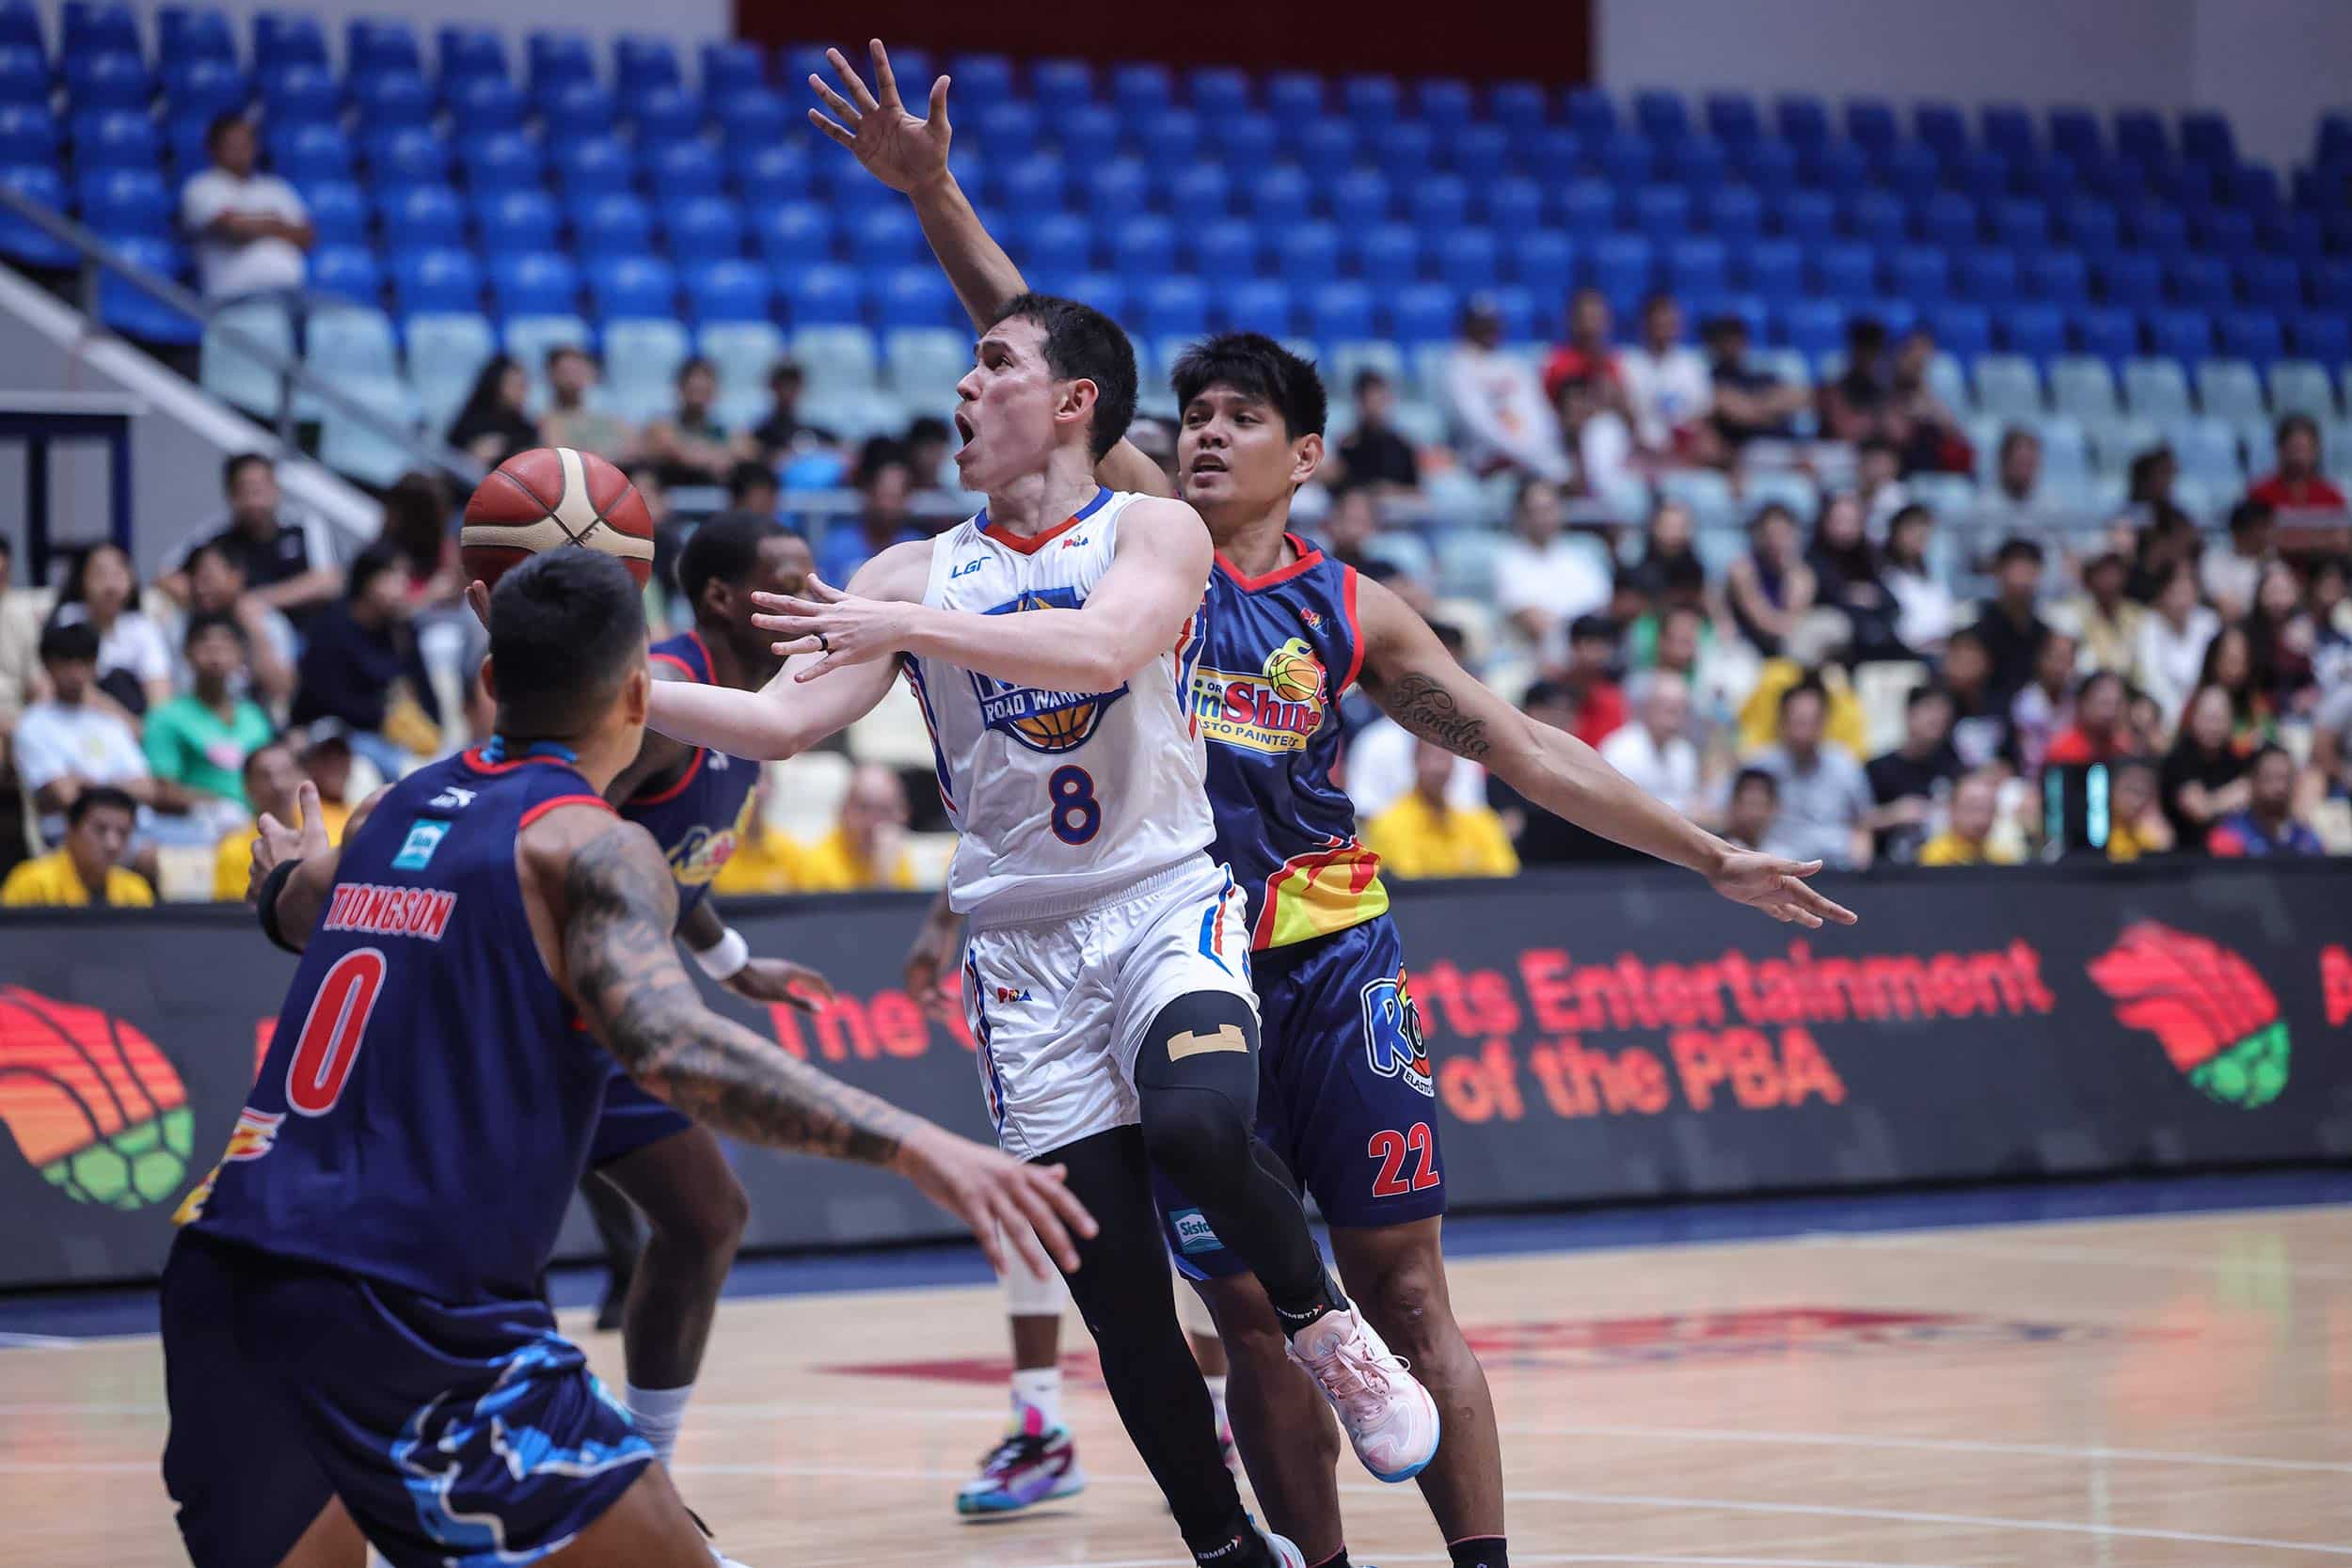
{"points": [[903, 150], [1001, 1199], [821, 619], [277, 842], [1778, 888], [931, 977], [782, 980]]}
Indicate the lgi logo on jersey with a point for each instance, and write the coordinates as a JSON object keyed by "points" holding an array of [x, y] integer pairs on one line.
{"points": [[1048, 721], [1392, 1034]]}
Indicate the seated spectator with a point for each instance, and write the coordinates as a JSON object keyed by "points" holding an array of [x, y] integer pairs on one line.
{"points": [[1858, 405], [1750, 403], [216, 587], [2284, 638], [1682, 643], [2230, 665], [1373, 456], [1497, 405], [286, 553], [763, 858], [784, 434], [70, 741], [929, 442], [2297, 484], [2166, 543], [1758, 713], [1348, 530], [271, 782], [2268, 825], [1878, 481], [2203, 777], [1770, 589], [2173, 643], [1925, 431], [1825, 804], [1753, 819], [2148, 484], [691, 446], [2137, 825], [2101, 617], [752, 487], [1595, 702], [866, 847], [88, 867], [1656, 751], [1588, 358], [1426, 834], [134, 661], [1670, 573], [250, 230], [361, 667], [493, 426], [19, 647], [1154, 438], [1909, 782], [573, 374], [417, 518], [1924, 609], [1380, 770], [2101, 731], [2013, 503], [1669, 390], [2044, 706], [1979, 716], [1545, 578], [887, 485], [2011, 622], [1966, 840], [200, 741], [2231, 569], [1847, 578]]}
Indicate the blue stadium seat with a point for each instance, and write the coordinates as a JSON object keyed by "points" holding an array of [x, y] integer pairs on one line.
{"points": [[1509, 205], [1801, 120], [339, 213], [771, 174], [1218, 91], [123, 201], [1469, 261], [311, 151], [2009, 388], [2008, 129], [184, 144], [467, 50], [1660, 116], [2331, 284], [20, 241], [1478, 152], [392, 98], [665, 114], [2139, 133], [1140, 90], [1920, 274], [1734, 216], [288, 38], [1809, 217], [1259, 305], [1143, 247], [2153, 227], [643, 63], [522, 217], [347, 271], [2198, 282], [585, 165], [483, 104], [2036, 330], [1280, 197], [137, 314], [2324, 337], [435, 280], [92, 25], [2254, 335], [1517, 105], [611, 223], [2058, 276], [1308, 254], [2082, 387], [633, 287], [116, 138], [1039, 182], [553, 57], [187, 33], [1360, 199], [1225, 247], [1698, 164], [201, 86], [404, 155], [1877, 219], [1732, 118], [421, 214], [1949, 221], [1115, 190], [1175, 307], [750, 117], [1326, 149], [733, 66], [1899, 316], [1912, 170], [1942, 127], [823, 296], [1588, 112], [1087, 131], [501, 161], [1963, 332], [2182, 335], [1840, 168], [538, 283], [1661, 213], [2020, 223], [1339, 312], [1008, 125], [2231, 390], [1989, 276], [1621, 270], [1405, 151], [2133, 279], [23, 75], [1812, 327], [729, 290], [1296, 96], [1057, 239], [1697, 264], [2226, 231], [372, 44], [1424, 313], [107, 81], [2156, 390], [2075, 131], [1441, 202], [2302, 387], [683, 170], [1588, 210], [1170, 141], [1774, 269], [703, 227], [2094, 227], [1628, 158], [581, 108], [1843, 271], [1203, 194], [917, 297], [1553, 155], [1373, 101], [1387, 256], [1870, 125], [1542, 261]]}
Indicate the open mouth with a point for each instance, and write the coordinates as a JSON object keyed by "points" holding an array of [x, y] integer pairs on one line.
{"points": [[963, 425], [1205, 465]]}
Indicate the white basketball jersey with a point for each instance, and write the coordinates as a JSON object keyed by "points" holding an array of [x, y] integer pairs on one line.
{"points": [[1062, 797]]}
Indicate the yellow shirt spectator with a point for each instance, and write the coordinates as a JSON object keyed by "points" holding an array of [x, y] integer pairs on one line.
{"points": [[1949, 848], [764, 860], [52, 879], [1760, 716], [1414, 838], [832, 865], [232, 860]]}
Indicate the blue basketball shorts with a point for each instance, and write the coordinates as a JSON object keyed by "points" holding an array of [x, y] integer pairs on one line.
{"points": [[1345, 1091], [632, 1119], [462, 1433]]}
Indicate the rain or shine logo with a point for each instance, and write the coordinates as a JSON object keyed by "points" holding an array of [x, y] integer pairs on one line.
{"points": [[2214, 1016], [91, 1103]]}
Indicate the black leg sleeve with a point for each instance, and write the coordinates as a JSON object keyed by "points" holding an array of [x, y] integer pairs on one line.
{"points": [[1122, 1291], [1197, 1076]]}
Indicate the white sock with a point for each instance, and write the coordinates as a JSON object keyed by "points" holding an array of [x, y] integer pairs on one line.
{"points": [[1216, 1399], [658, 1413], [1039, 1389]]}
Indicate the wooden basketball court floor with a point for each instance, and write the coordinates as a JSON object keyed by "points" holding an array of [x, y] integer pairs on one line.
{"points": [[2135, 1393]]}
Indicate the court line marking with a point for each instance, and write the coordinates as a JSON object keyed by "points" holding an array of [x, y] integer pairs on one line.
{"points": [[2276, 1267], [1639, 1558]]}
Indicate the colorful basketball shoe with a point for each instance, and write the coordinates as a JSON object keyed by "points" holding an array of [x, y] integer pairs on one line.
{"points": [[1034, 1464]]}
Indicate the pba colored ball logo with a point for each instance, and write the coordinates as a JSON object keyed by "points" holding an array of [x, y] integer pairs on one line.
{"points": [[91, 1103], [1295, 673], [2214, 1016]]}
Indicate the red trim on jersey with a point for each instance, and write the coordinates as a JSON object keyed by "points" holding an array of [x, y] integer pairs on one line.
{"points": [[546, 806], [678, 788], [475, 760], [1033, 543], [672, 659], [1355, 629], [1308, 558]]}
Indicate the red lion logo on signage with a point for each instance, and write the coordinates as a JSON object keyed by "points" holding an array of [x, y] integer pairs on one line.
{"points": [[2214, 1016]]}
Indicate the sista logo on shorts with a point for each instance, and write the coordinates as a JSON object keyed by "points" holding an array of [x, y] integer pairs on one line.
{"points": [[1048, 721]]}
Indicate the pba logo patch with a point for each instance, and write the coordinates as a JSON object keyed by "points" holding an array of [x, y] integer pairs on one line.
{"points": [[1392, 1034], [2216, 1018], [90, 1103], [1193, 1235], [1048, 721], [416, 850]]}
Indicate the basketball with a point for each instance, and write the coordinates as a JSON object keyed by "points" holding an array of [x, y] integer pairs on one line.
{"points": [[550, 496], [1295, 673]]}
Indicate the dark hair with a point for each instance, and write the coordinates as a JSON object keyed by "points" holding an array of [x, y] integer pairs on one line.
{"points": [[7, 547], [1658, 299], [785, 369], [211, 620], [1593, 629], [481, 415], [2016, 436], [75, 590], [1926, 692], [927, 427], [2266, 749], [216, 550], [726, 549], [566, 627], [687, 365], [69, 643], [416, 521], [275, 743], [1880, 443], [1864, 335], [220, 125], [2292, 422], [1084, 345], [1747, 776], [1369, 377], [97, 796], [563, 351], [2249, 515], [2018, 548], [369, 565], [747, 476], [1257, 367], [2105, 561], [2082, 689], [879, 452], [1809, 686], [238, 464], [1771, 509]]}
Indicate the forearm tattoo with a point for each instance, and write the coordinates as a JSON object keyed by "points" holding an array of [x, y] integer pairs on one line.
{"points": [[1425, 708], [619, 909]]}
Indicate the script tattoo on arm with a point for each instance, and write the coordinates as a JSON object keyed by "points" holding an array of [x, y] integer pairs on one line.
{"points": [[1425, 706], [619, 909]]}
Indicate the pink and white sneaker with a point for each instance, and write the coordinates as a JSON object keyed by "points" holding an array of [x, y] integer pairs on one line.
{"points": [[1390, 1418], [1035, 1464]]}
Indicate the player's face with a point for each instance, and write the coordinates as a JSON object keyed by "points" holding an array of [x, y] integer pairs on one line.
{"points": [[272, 778], [1007, 406], [784, 567], [1235, 457], [104, 833]]}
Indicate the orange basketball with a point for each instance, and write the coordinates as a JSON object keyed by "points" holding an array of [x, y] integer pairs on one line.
{"points": [[550, 497]]}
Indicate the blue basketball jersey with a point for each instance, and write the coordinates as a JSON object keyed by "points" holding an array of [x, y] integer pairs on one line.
{"points": [[424, 1112], [699, 819], [1281, 650]]}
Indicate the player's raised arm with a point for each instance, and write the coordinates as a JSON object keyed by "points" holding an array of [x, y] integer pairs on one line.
{"points": [[909, 153], [1409, 673], [293, 868], [1136, 615], [619, 904]]}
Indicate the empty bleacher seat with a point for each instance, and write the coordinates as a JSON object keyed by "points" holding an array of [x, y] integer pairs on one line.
{"points": [[2156, 390], [234, 375]]}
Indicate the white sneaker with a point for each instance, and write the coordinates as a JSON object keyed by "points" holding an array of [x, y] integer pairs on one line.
{"points": [[1390, 1418], [1285, 1555]]}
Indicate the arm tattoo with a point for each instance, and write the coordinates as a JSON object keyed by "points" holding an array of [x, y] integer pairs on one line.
{"points": [[1425, 706], [619, 909]]}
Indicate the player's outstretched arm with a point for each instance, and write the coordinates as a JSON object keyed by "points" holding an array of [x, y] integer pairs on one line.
{"points": [[619, 904], [909, 153], [1136, 615], [291, 905], [1409, 673]]}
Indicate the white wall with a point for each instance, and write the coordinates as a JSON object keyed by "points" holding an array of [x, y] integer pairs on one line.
{"points": [[2273, 66], [687, 21]]}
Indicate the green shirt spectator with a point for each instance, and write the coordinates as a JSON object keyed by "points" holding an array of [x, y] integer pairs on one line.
{"points": [[200, 739]]}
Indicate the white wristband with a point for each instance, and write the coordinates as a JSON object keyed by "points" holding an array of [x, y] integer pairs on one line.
{"points": [[724, 958]]}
